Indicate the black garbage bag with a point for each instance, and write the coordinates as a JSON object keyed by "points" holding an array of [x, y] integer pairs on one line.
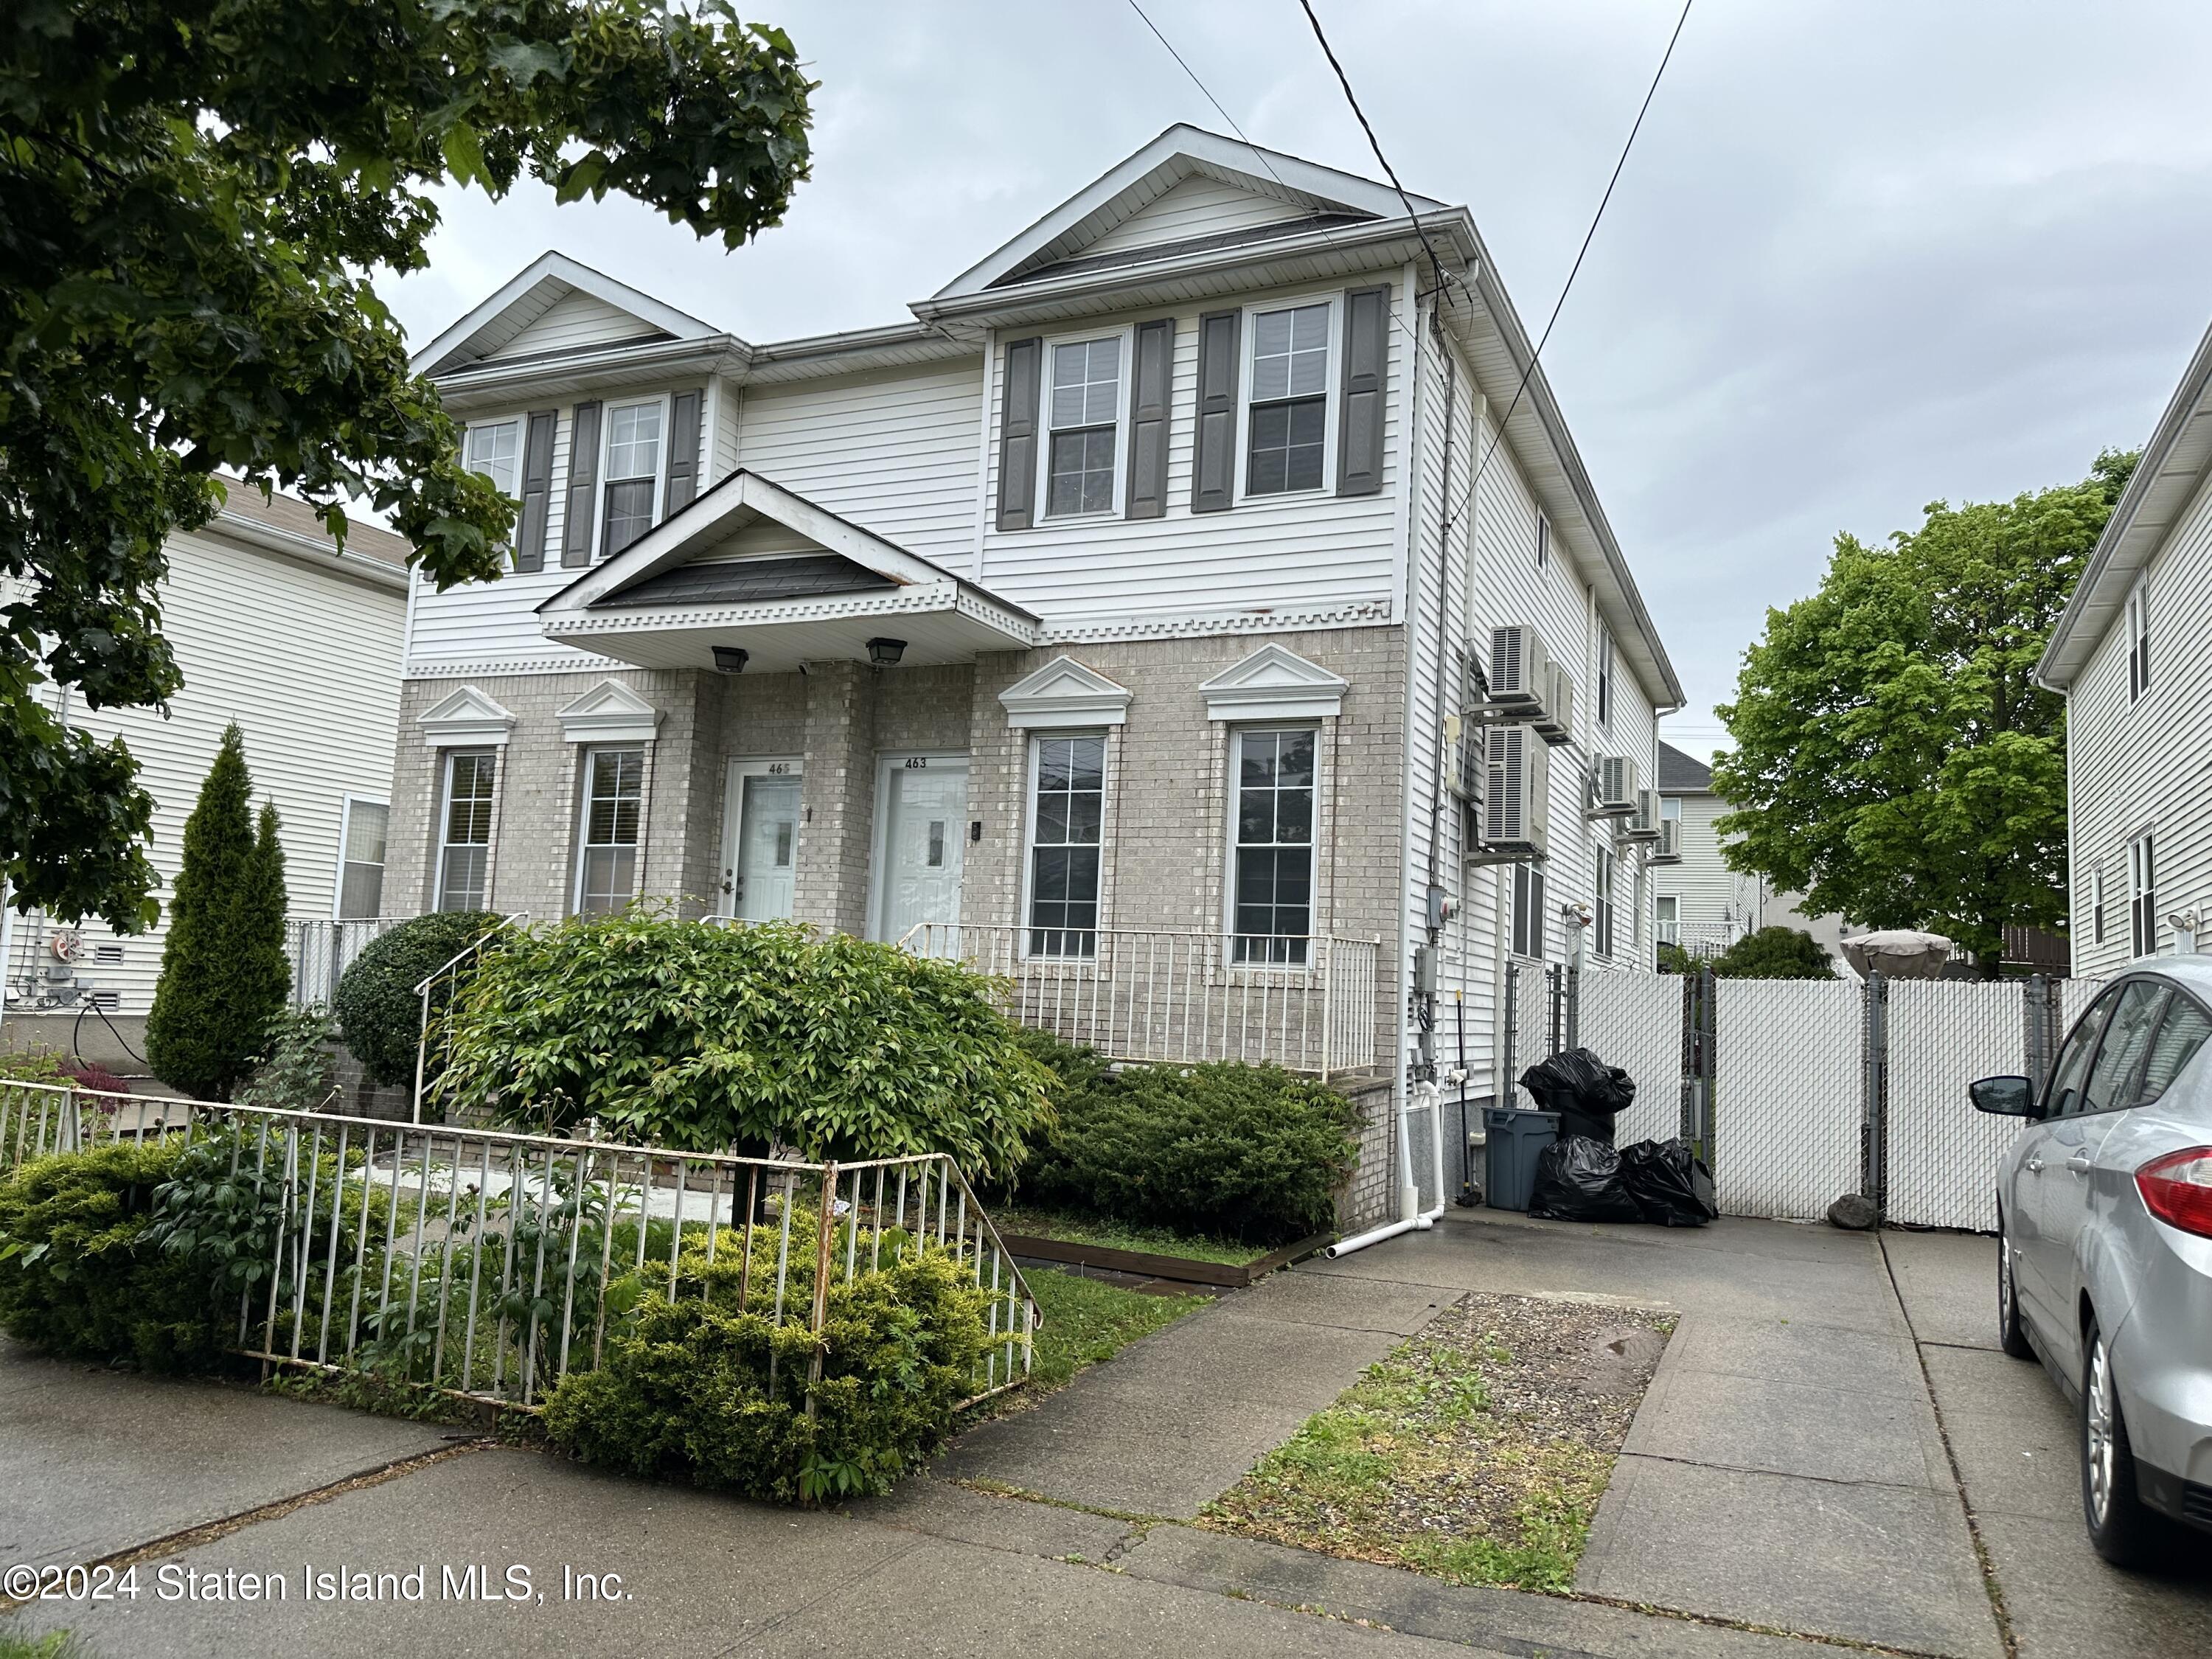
{"points": [[1578, 1179], [1587, 1093], [1669, 1183]]}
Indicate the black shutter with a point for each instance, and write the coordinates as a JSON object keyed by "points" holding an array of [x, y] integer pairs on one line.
{"points": [[1359, 413], [1017, 434], [537, 490], [1148, 418], [682, 454], [583, 485], [1213, 469]]}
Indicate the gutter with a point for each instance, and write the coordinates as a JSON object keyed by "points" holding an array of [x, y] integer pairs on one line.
{"points": [[721, 354], [309, 549]]}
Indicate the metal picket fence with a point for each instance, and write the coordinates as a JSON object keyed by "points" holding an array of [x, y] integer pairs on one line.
{"points": [[490, 1264]]}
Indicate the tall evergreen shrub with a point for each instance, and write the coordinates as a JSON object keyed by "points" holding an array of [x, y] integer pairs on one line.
{"points": [[224, 976]]}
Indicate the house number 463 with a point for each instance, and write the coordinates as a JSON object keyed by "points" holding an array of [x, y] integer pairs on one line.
{"points": [[917, 763]]}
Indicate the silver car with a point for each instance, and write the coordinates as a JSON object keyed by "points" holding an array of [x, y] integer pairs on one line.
{"points": [[2105, 1236]]}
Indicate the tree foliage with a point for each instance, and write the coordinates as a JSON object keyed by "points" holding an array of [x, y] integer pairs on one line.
{"points": [[193, 196], [1894, 761], [224, 973], [1775, 953], [699, 1037]]}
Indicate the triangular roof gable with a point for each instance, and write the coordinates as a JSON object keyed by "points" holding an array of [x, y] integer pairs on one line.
{"points": [[1180, 153], [533, 291], [744, 498]]}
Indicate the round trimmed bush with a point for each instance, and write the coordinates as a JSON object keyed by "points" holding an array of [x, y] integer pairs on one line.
{"points": [[1775, 953], [379, 1016]]}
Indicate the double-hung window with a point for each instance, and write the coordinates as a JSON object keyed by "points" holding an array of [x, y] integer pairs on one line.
{"points": [[495, 451], [1529, 921], [1287, 443], [614, 793], [465, 844], [1083, 411], [1543, 541], [1272, 907], [2097, 906], [2138, 644], [2143, 897], [361, 858], [632, 483], [1666, 918], [1066, 821], [1603, 910], [1605, 678]]}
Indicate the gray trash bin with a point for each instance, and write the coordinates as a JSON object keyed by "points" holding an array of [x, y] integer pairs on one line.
{"points": [[1516, 1139]]}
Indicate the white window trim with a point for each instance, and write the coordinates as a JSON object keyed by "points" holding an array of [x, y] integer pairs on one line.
{"points": [[445, 759], [1605, 906], [667, 401], [612, 713], [1029, 838], [1064, 696], [1607, 666], [1114, 509], [1543, 541], [2097, 905], [1274, 683], [584, 818], [1246, 338], [512, 422], [1232, 774], [346, 804], [2142, 862], [2136, 619], [466, 720]]}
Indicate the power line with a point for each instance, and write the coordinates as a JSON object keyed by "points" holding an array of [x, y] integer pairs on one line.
{"points": [[1435, 266], [1588, 235]]}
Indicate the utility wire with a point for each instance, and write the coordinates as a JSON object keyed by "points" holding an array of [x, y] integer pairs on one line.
{"points": [[1567, 288], [1435, 266]]}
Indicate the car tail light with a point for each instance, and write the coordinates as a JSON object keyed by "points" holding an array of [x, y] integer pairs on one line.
{"points": [[2176, 1188]]}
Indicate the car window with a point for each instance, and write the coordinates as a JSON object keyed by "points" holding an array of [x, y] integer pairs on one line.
{"points": [[2064, 1097], [2113, 1079], [2179, 1035]]}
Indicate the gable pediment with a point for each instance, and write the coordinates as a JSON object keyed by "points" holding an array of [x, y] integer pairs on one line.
{"points": [[556, 306], [467, 718], [1274, 683], [610, 712], [1065, 693]]}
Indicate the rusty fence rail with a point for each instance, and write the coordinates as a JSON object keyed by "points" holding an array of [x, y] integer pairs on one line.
{"points": [[490, 1264]]}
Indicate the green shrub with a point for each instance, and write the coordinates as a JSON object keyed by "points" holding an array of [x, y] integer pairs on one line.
{"points": [[686, 1390], [296, 1073], [1228, 1149], [78, 1276], [1775, 953], [701, 1036], [1673, 959], [379, 1016]]}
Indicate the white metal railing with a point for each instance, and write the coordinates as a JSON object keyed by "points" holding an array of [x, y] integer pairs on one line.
{"points": [[489, 1264], [1307, 1003], [320, 950]]}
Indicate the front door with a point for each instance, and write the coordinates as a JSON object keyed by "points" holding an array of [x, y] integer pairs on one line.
{"points": [[761, 846], [921, 824]]}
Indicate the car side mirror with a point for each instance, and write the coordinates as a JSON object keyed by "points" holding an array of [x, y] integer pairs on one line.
{"points": [[2004, 1096]]}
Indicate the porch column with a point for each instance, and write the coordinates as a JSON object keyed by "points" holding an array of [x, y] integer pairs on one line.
{"points": [[835, 837]]}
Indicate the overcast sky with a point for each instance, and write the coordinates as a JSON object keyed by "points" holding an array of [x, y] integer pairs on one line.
{"points": [[1867, 254]]}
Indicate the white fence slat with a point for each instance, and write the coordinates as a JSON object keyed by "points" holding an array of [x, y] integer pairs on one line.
{"points": [[1634, 1021], [1943, 1154], [1787, 1095]]}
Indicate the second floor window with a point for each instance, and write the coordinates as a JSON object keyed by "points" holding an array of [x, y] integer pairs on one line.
{"points": [[465, 839], [1289, 400], [2138, 645], [1605, 677], [495, 451], [633, 474], [614, 792], [1665, 918], [1543, 541], [1271, 906], [1066, 829], [1602, 920], [1084, 406]]}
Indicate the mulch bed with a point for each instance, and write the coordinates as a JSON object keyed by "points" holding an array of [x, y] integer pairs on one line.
{"points": [[1477, 1451]]}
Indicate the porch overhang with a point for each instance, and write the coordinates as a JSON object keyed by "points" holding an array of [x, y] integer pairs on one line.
{"points": [[752, 565]]}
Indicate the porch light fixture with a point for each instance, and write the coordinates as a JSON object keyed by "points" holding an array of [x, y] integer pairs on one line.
{"points": [[731, 659], [885, 653]]}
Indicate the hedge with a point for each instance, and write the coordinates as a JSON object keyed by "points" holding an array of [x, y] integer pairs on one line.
{"points": [[379, 1015]]}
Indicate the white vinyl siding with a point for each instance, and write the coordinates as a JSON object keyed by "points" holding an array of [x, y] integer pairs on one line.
{"points": [[575, 322], [1196, 206], [308, 662], [2135, 762]]}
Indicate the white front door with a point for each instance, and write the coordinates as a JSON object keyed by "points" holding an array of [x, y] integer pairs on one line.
{"points": [[760, 840], [921, 828]]}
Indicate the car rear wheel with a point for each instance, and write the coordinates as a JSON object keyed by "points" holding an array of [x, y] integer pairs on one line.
{"points": [[2121, 1530], [2012, 1336]]}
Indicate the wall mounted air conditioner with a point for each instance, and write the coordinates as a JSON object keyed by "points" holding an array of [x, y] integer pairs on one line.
{"points": [[1613, 787], [1643, 823], [1669, 849], [1555, 721], [1520, 667], [1517, 796]]}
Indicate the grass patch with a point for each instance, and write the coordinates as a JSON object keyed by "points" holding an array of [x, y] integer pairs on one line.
{"points": [[54, 1644], [1085, 1322], [1073, 1227], [1475, 1452]]}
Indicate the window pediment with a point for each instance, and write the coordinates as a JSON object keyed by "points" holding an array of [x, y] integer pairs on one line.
{"points": [[1274, 683], [467, 718], [610, 712], [1065, 693]]}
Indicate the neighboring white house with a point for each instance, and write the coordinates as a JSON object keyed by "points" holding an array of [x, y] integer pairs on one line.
{"points": [[1702, 905], [1108, 621], [2132, 652], [275, 628]]}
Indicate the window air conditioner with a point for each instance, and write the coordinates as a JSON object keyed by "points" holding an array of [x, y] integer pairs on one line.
{"points": [[1555, 721], [1519, 667], [1669, 849], [1643, 823], [1613, 780]]}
